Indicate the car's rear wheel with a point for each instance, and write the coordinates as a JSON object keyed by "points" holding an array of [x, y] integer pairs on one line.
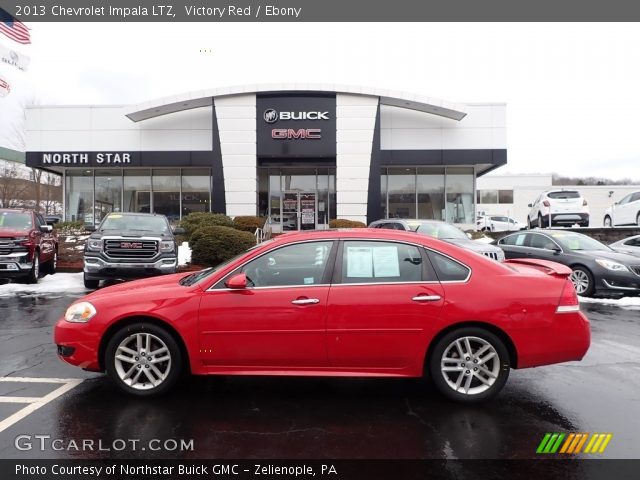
{"points": [[34, 273], [638, 219], [529, 224], [607, 221], [582, 280], [90, 284], [469, 365], [143, 360], [540, 221]]}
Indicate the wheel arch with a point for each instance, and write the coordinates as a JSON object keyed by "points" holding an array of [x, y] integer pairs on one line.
{"points": [[123, 322], [497, 331]]}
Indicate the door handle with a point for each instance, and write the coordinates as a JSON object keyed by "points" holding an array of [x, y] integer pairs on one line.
{"points": [[427, 298], [305, 301]]}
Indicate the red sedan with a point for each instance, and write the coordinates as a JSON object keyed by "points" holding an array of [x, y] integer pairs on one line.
{"points": [[335, 303]]}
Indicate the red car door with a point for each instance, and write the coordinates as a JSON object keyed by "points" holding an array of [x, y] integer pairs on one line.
{"points": [[382, 305], [279, 320]]}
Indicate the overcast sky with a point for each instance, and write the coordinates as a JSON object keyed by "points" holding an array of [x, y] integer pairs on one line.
{"points": [[572, 90]]}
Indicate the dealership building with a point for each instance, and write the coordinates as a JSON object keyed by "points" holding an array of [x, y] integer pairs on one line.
{"points": [[300, 155]]}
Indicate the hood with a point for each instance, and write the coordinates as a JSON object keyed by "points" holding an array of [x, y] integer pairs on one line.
{"points": [[471, 245], [131, 234], [155, 286], [623, 258], [13, 232]]}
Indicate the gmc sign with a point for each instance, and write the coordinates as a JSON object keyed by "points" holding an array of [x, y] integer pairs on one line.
{"points": [[302, 133]]}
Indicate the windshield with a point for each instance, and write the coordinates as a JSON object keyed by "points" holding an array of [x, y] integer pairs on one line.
{"points": [[15, 220], [438, 230], [202, 274], [576, 241], [141, 223]]}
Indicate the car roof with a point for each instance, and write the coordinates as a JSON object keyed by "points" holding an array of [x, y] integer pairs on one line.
{"points": [[408, 220], [364, 233]]}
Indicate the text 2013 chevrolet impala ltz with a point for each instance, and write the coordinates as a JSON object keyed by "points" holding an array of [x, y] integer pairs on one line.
{"points": [[335, 303]]}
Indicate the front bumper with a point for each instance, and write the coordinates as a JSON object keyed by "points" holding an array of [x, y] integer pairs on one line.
{"points": [[622, 283], [97, 268], [15, 265], [78, 344]]}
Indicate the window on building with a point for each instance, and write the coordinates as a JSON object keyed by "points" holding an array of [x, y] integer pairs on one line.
{"points": [[79, 196], [166, 193], [505, 196], [430, 182], [196, 185], [460, 195], [108, 192], [495, 196], [137, 190], [402, 192]]}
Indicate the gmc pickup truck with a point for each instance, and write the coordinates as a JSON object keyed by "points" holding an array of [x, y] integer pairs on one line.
{"points": [[129, 245], [28, 246]]}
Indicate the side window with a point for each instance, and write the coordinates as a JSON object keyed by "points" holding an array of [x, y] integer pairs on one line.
{"points": [[376, 262], [633, 242], [515, 240], [540, 241], [635, 197], [448, 270], [39, 221], [625, 200], [298, 264]]}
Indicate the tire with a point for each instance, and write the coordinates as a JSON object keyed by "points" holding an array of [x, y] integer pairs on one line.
{"points": [[34, 273], [529, 224], [607, 221], [582, 280], [638, 219], [91, 284], [452, 384], [52, 265], [540, 221], [134, 376]]}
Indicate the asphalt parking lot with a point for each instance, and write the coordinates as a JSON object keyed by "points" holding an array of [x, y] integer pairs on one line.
{"points": [[249, 417]]}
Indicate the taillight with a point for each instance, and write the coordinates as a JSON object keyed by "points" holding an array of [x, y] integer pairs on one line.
{"points": [[546, 203], [584, 202], [568, 299]]}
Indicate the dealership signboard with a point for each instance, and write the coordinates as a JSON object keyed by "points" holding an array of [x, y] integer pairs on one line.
{"points": [[296, 126]]}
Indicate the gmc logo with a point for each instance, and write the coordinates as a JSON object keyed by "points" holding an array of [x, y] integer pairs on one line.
{"points": [[130, 245], [302, 133]]}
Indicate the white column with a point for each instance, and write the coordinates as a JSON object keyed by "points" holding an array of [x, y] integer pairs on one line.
{"points": [[236, 116], [356, 120]]}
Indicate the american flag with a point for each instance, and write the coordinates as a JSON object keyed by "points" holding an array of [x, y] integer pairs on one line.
{"points": [[13, 29]]}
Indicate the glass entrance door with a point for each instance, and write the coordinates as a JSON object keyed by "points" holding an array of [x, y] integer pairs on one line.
{"points": [[299, 211]]}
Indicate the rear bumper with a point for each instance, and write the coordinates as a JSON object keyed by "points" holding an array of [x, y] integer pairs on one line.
{"points": [[570, 218], [567, 339]]}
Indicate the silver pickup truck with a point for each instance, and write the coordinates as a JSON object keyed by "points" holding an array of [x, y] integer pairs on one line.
{"points": [[129, 245]]}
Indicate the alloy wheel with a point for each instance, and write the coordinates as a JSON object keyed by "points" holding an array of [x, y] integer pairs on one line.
{"points": [[470, 365], [142, 361], [580, 281]]}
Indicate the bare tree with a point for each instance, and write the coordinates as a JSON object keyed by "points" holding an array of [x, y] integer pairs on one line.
{"points": [[51, 194], [12, 185], [36, 175]]}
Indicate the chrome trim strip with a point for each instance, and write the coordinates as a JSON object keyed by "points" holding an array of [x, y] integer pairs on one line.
{"points": [[608, 285], [568, 308]]}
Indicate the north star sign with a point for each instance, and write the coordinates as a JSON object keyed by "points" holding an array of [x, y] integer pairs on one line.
{"points": [[100, 158]]}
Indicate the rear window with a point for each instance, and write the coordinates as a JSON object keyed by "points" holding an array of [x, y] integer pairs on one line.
{"points": [[563, 195]]}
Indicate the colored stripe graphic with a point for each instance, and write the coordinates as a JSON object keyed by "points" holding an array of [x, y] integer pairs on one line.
{"points": [[573, 443]]}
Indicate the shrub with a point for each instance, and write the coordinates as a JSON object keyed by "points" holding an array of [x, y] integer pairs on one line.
{"points": [[344, 223], [196, 220], [212, 245], [248, 223], [69, 227]]}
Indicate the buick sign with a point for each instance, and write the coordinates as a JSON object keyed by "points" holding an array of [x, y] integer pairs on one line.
{"points": [[270, 115]]}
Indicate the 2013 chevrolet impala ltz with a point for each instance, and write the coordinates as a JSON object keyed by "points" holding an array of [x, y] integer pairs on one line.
{"points": [[335, 303]]}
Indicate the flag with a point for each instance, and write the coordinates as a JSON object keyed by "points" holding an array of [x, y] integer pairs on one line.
{"points": [[13, 29]]}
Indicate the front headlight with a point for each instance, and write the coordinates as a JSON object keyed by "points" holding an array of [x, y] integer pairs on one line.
{"points": [[94, 244], [80, 312], [611, 265], [166, 246]]}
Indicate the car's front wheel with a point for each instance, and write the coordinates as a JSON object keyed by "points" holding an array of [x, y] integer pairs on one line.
{"points": [[90, 283], [469, 365], [582, 281], [143, 359], [34, 273]]}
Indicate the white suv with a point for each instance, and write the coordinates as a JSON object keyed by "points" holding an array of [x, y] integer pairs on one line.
{"points": [[558, 207], [497, 223], [624, 212]]}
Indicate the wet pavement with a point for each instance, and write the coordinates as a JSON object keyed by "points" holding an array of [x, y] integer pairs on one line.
{"points": [[312, 418]]}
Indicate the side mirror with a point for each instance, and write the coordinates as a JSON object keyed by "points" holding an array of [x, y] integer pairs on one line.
{"points": [[90, 228], [238, 281], [178, 231], [556, 251], [530, 205], [46, 228]]}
